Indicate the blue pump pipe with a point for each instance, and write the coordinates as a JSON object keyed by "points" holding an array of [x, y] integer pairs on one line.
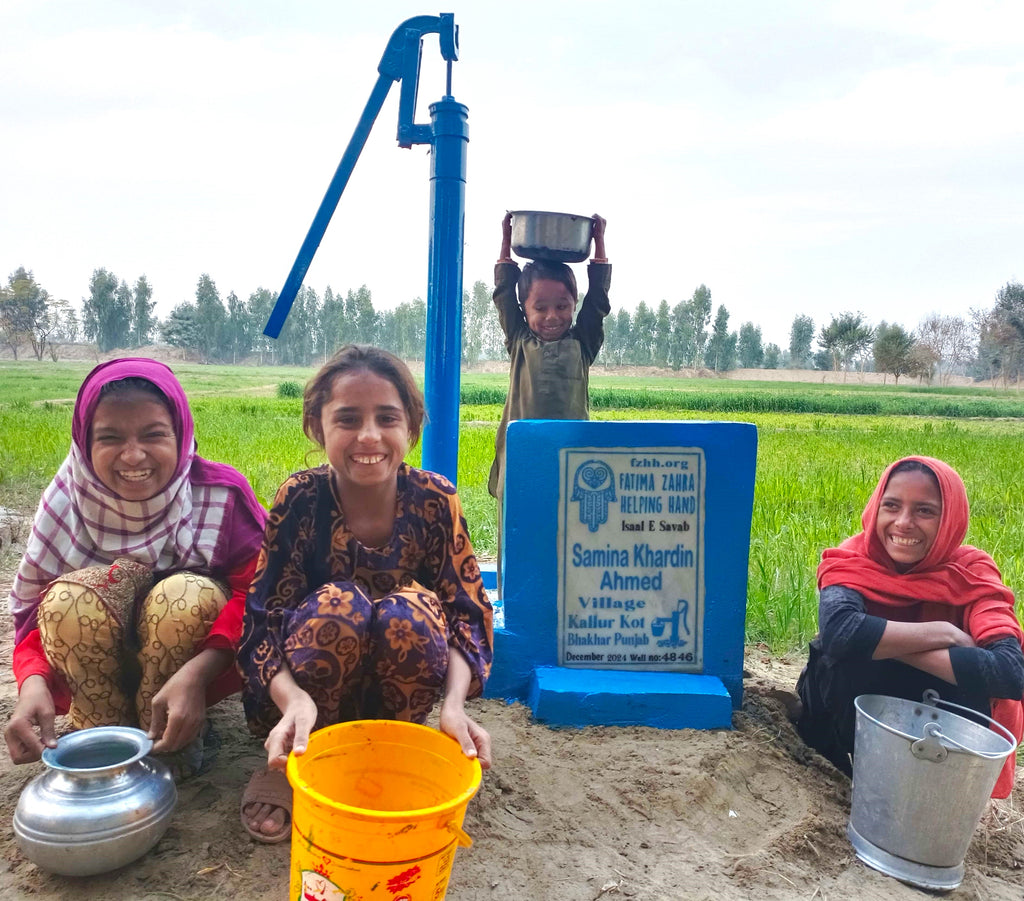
{"points": [[448, 132], [442, 372]]}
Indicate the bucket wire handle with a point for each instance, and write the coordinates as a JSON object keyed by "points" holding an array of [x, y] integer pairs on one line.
{"points": [[931, 698], [987, 755], [459, 834]]}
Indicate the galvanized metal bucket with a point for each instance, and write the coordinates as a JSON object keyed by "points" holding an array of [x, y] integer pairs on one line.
{"points": [[921, 779]]}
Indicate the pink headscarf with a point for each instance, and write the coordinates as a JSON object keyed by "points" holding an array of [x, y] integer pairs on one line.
{"points": [[205, 519]]}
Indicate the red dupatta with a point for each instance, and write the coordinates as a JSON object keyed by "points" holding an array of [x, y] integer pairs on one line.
{"points": [[954, 582]]}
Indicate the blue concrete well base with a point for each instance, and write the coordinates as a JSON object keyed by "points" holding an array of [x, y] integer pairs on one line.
{"points": [[489, 575], [580, 697]]}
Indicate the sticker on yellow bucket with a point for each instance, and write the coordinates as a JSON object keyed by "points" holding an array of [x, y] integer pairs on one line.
{"points": [[377, 812], [357, 880]]}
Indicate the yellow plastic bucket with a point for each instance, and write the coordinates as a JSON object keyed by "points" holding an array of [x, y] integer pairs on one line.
{"points": [[377, 812]]}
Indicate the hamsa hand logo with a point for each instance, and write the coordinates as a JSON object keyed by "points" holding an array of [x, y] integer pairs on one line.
{"points": [[594, 489]]}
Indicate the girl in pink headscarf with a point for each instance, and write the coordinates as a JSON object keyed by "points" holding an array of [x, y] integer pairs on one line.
{"points": [[128, 602], [905, 606]]}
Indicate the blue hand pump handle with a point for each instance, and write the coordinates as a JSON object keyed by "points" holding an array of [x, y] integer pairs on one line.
{"points": [[401, 61]]}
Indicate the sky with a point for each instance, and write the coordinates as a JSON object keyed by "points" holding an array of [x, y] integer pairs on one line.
{"points": [[798, 157]]}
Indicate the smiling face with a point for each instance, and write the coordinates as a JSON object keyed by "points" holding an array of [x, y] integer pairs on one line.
{"points": [[365, 431], [132, 445], [549, 308], [908, 517]]}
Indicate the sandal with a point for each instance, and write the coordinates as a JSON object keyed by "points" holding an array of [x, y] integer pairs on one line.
{"points": [[267, 786]]}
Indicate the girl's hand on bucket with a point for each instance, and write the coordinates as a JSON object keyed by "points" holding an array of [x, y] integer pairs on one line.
{"points": [[472, 737], [298, 717]]}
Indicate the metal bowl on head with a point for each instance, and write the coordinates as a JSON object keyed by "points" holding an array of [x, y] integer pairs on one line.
{"points": [[538, 235]]}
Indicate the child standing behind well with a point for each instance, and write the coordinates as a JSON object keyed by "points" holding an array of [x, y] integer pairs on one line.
{"points": [[550, 358]]}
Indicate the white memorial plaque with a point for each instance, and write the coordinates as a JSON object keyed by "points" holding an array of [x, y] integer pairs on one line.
{"points": [[631, 558]]}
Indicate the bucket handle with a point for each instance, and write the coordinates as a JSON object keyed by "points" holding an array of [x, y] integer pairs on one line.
{"points": [[929, 747], [463, 839]]}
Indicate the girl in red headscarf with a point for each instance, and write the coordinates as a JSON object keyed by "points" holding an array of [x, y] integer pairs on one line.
{"points": [[905, 606]]}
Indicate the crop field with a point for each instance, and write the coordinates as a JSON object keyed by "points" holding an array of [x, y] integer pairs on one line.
{"points": [[819, 456]]}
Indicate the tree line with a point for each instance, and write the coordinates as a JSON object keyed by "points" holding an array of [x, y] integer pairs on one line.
{"points": [[986, 344]]}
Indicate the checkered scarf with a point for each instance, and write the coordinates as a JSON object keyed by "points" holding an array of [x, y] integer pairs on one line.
{"points": [[80, 522]]}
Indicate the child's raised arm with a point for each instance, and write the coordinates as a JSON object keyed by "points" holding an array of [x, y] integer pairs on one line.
{"points": [[599, 252], [506, 239]]}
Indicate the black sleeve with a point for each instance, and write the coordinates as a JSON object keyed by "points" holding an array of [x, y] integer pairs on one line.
{"points": [[589, 328], [846, 631], [510, 315], [995, 671]]}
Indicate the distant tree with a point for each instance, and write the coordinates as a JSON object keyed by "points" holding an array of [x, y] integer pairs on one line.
{"points": [[822, 361], [403, 330], [721, 349], [314, 317], [493, 345], [23, 306], [476, 310], [125, 303], [680, 350], [1000, 331], [611, 340], [772, 355], [258, 307], [143, 320], [845, 339], [801, 334], [238, 329], [417, 329], [360, 317], [331, 312], [616, 338], [700, 317], [299, 338], [985, 364], [893, 350], [923, 362], [662, 338], [751, 351], [828, 341], [63, 327], [211, 317], [183, 327], [641, 340], [952, 341], [107, 311], [1010, 306]]}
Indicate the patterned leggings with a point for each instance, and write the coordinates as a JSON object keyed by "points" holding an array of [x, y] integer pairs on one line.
{"points": [[363, 658], [113, 637]]}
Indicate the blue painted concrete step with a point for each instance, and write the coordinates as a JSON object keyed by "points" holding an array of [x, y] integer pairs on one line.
{"points": [[489, 574], [582, 697]]}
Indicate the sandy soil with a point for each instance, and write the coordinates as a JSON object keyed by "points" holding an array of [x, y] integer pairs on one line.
{"points": [[573, 815]]}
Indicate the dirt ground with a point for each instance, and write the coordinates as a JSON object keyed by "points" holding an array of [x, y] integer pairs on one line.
{"points": [[566, 815]]}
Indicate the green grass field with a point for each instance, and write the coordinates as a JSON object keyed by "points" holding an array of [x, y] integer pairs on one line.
{"points": [[815, 468]]}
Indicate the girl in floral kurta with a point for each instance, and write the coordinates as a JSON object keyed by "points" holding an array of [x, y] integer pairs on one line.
{"points": [[367, 600]]}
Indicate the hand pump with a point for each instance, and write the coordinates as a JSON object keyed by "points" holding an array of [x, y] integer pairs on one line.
{"points": [[448, 132]]}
